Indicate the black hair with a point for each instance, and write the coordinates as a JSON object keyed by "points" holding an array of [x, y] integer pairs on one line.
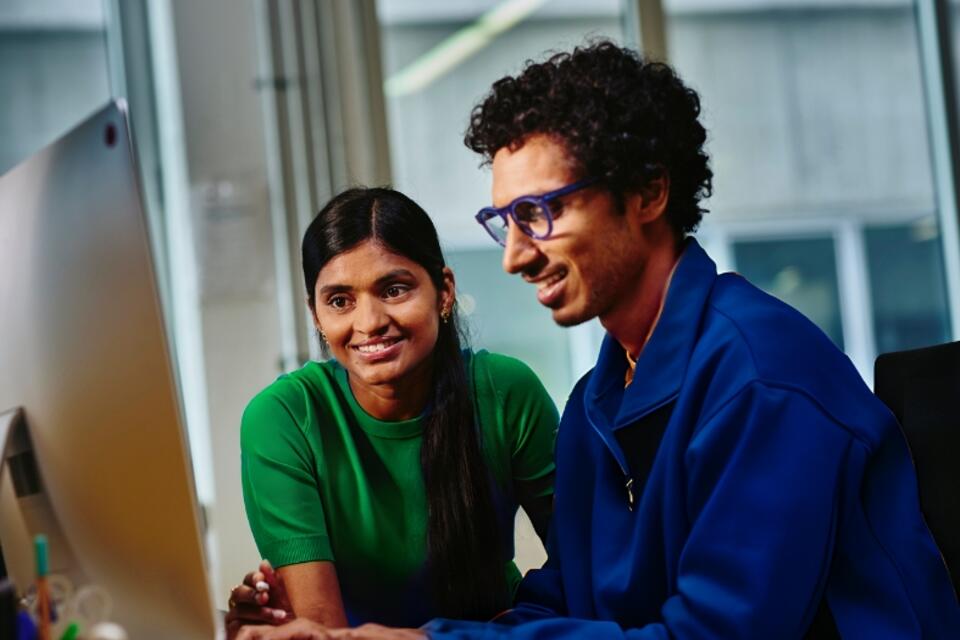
{"points": [[464, 547], [620, 117]]}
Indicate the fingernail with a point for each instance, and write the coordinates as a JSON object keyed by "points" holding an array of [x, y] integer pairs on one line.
{"points": [[279, 614], [262, 586]]}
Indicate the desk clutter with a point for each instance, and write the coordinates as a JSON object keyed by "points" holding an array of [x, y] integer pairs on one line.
{"points": [[53, 608]]}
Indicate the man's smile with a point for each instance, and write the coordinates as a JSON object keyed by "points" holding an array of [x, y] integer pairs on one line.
{"points": [[549, 287]]}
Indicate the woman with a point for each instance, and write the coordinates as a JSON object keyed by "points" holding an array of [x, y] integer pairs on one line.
{"points": [[384, 483]]}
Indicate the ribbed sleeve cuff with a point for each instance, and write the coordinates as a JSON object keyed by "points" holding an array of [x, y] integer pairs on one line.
{"points": [[297, 550]]}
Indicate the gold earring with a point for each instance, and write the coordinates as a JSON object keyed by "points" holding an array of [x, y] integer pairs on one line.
{"points": [[445, 315], [323, 336]]}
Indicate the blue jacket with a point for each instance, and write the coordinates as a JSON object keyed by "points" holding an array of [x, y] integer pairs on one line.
{"points": [[747, 484]]}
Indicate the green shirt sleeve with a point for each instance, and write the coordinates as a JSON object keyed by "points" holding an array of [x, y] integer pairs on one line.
{"points": [[279, 476], [531, 419]]}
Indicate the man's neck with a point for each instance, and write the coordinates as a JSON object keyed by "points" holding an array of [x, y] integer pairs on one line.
{"points": [[632, 322]]}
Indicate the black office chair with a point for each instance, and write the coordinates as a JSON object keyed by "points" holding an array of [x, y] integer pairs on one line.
{"points": [[922, 389]]}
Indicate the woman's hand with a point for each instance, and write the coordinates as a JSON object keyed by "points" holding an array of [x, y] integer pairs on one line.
{"points": [[260, 599], [300, 629], [303, 629], [377, 632]]}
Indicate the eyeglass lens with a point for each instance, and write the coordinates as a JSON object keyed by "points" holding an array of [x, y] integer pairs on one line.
{"points": [[531, 214], [497, 226]]}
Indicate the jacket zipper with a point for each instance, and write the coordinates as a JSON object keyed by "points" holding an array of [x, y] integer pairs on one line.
{"points": [[628, 479]]}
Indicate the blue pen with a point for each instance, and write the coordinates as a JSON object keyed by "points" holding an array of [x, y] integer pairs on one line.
{"points": [[26, 629]]}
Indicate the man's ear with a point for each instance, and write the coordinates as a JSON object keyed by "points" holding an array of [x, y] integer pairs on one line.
{"points": [[650, 202]]}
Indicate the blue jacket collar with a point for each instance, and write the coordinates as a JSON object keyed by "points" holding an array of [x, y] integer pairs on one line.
{"points": [[663, 361]]}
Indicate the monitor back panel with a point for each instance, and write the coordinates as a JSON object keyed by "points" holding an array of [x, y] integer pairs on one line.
{"points": [[83, 350]]}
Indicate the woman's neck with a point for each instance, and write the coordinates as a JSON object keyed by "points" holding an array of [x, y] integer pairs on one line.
{"points": [[398, 400]]}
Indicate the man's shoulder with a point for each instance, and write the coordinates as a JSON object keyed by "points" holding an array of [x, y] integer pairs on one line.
{"points": [[750, 337], [776, 338]]}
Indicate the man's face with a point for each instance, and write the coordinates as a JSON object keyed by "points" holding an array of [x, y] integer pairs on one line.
{"points": [[592, 260]]}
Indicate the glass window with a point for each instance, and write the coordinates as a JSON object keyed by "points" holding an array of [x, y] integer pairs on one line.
{"points": [[192, 72], [53, 70], [801, 272], [440, 58], [816, 117], [811, 111], [907, 285], [955, 39], [503, 315]]}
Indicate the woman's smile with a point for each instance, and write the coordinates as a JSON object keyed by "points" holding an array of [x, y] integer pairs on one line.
{"points": [[379, 350]]}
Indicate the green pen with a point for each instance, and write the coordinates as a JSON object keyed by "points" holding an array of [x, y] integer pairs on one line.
{"points": [[71, 632], [43, 593]]}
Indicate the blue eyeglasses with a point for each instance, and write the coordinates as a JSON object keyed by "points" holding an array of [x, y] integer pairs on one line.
{"points": [[531, 214]]}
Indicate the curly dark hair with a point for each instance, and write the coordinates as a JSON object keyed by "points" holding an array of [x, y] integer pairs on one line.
{"points": [[619, 116]]}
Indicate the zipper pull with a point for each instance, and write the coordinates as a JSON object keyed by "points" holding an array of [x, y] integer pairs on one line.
{"points": [[630, 497]]}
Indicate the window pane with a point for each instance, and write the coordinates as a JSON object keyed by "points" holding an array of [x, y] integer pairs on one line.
{"points": [[802, 273], [812, 110], [434, 76], [503, 315], [907, 285], [429, 106], [955, 28], [816, 117], [53, 70]]}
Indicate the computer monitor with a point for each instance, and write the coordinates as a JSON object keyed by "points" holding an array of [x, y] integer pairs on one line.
{"points": [[88, 394]]}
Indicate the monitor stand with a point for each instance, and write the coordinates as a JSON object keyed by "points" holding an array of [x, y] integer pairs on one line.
{"points": [[26, 509]]}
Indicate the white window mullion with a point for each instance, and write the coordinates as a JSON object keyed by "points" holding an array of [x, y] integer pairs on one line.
{"points": [[942, 117], [856, 306]]}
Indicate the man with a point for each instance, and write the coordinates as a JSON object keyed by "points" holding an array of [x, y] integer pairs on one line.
{"points": [[722, 472]]}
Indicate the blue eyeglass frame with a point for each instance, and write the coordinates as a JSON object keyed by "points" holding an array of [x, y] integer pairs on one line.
{"points": [[541, 201]]}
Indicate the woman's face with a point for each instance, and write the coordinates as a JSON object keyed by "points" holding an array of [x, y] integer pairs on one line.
{"points": [[380, 313]]}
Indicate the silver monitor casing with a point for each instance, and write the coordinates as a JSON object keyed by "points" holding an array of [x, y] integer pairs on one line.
{"points": [[84, 353]]}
